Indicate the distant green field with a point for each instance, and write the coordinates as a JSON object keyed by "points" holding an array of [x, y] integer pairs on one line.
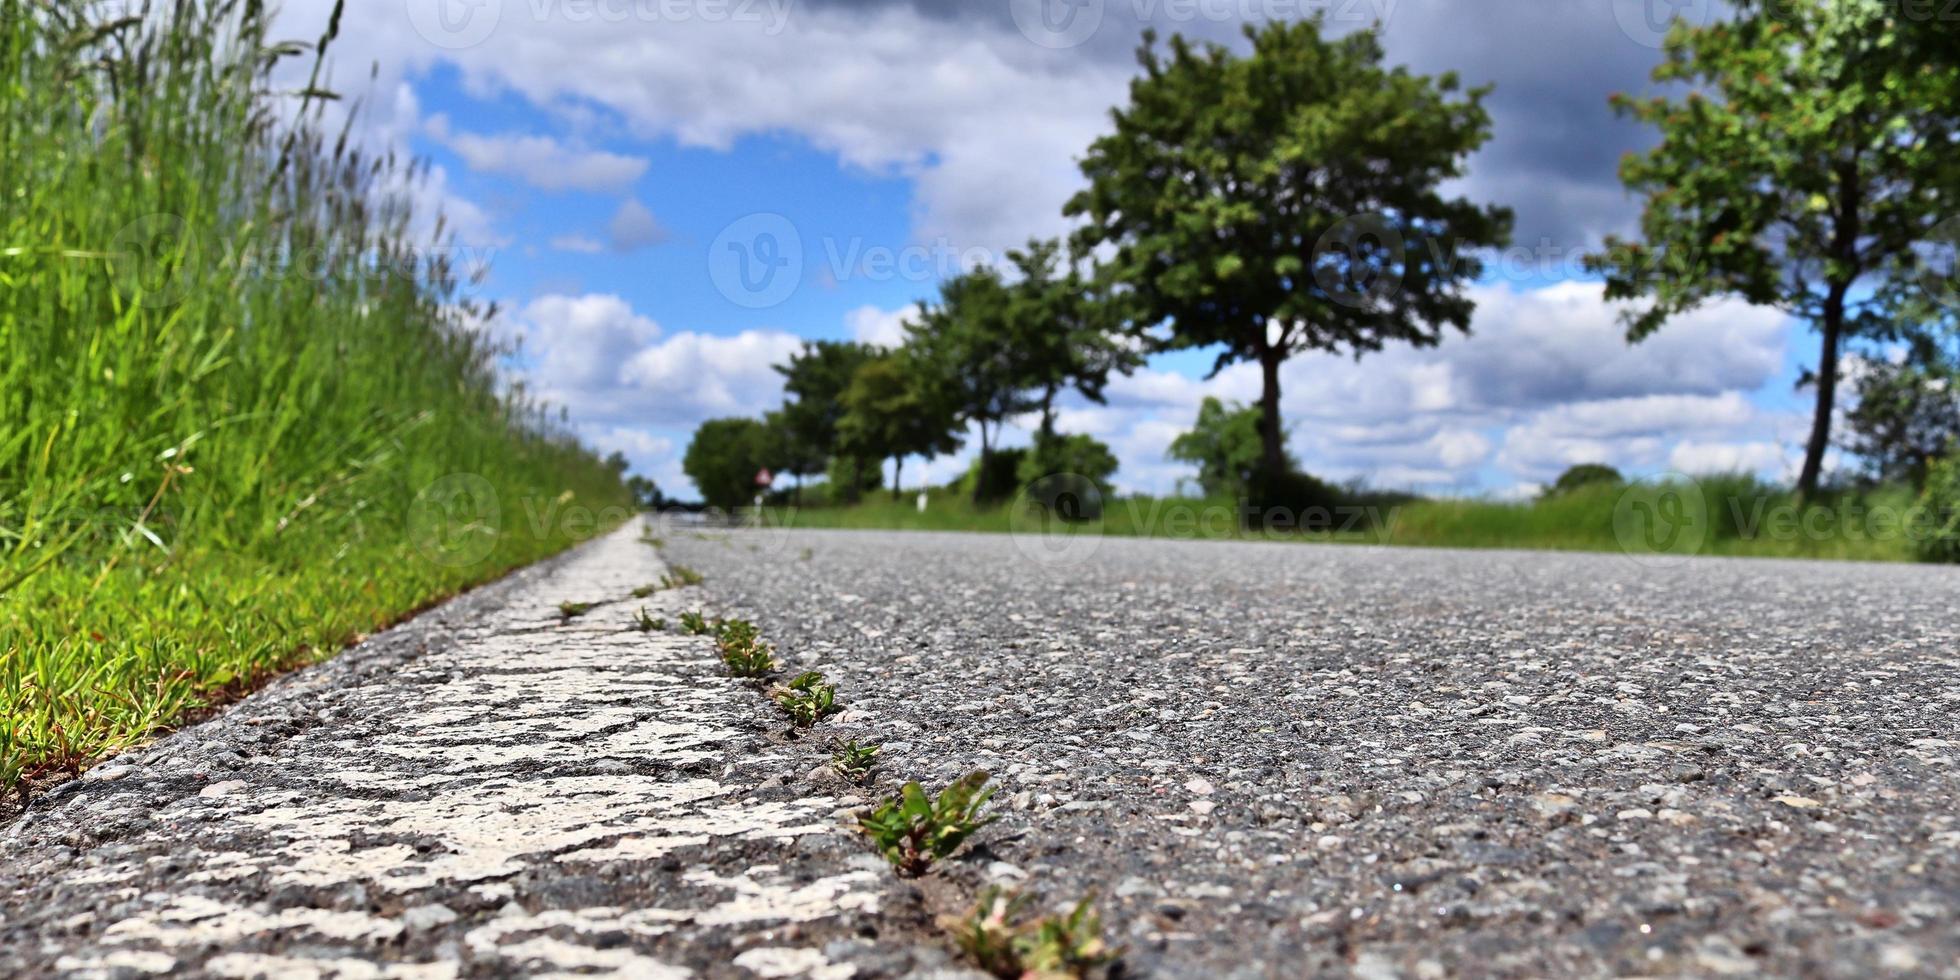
{"points": [[233, 376], [1735, 516]]}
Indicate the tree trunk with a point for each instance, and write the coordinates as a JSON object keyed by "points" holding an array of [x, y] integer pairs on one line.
{"points": [[898, 468], [980, 476], [1827, 378], [1272, 436], [1047, 415]]}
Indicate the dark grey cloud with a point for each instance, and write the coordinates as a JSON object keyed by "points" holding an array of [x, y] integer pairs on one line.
{"points": [[1554, 63]]}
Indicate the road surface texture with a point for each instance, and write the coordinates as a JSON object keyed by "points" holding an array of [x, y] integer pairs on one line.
{"points": [[490, 790], [1279, 760]]}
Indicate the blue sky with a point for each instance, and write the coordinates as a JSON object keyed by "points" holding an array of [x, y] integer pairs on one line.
{"points": [[601, 153]]}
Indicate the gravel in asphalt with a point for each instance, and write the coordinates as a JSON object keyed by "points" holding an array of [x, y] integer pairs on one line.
{"points": [[1278, 760]]}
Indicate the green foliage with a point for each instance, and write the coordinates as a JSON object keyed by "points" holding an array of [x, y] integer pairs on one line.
{"points": [[814, 381], [1834, 149], [1224, 445], [212, 458], [893, 408], [646, 493], [1049, 948], [970, 345], [1906, 415], [724, 457], [573, 610], [995, 477], [648, 624], [854, 761], [807, 699], [848, 478], [1583, 474], [1941, 503], [1068, 327], [1288, 200], [915, 830], [1081, 455], [694, 624], [679, 576], [743, 650]]}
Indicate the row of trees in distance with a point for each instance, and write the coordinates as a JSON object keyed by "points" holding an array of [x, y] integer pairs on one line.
{"points": [[1293, 199]]}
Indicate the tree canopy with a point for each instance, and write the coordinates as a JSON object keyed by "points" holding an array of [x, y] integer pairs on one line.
{"points": [[1288, 200], [1799, 173], [723, 459]]}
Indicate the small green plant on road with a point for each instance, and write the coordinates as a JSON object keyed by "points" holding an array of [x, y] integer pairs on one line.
{"points": [[915, 830], [648, 624], [573, 610], [1055, 946], [680, 577], [695, 624], [854, 761], [807, 699], [645, 590], [743, 649]]}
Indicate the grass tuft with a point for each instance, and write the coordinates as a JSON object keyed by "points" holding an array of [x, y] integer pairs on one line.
{"points": [[573, 610], [743, 650], [648, 624], [807, 699], [854, 761], [914, 830], [1056, 946], [249, 411], [695, 624]]}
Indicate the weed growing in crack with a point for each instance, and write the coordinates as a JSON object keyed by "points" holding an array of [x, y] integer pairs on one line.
{"points": [[915, 830], [695, 624], [680, 577], [648, 624], [743, 649], [573, 610], [1053, 946], [645, 590], [853, 761], [807, 699]]}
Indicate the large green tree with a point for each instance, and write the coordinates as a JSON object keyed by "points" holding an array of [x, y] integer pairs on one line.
{"points": [[1069, 326], [893, 409], [1810, 154], [967, 346], [1289, 200], [814, 380], [1224, 444], [724, 457]]}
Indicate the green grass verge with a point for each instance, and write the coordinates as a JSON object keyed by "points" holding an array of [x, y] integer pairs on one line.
{"points": [[241, 381], [1738, 517]]}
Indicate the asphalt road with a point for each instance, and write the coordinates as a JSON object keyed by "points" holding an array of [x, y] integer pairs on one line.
{"points": [[1282, 760]]}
